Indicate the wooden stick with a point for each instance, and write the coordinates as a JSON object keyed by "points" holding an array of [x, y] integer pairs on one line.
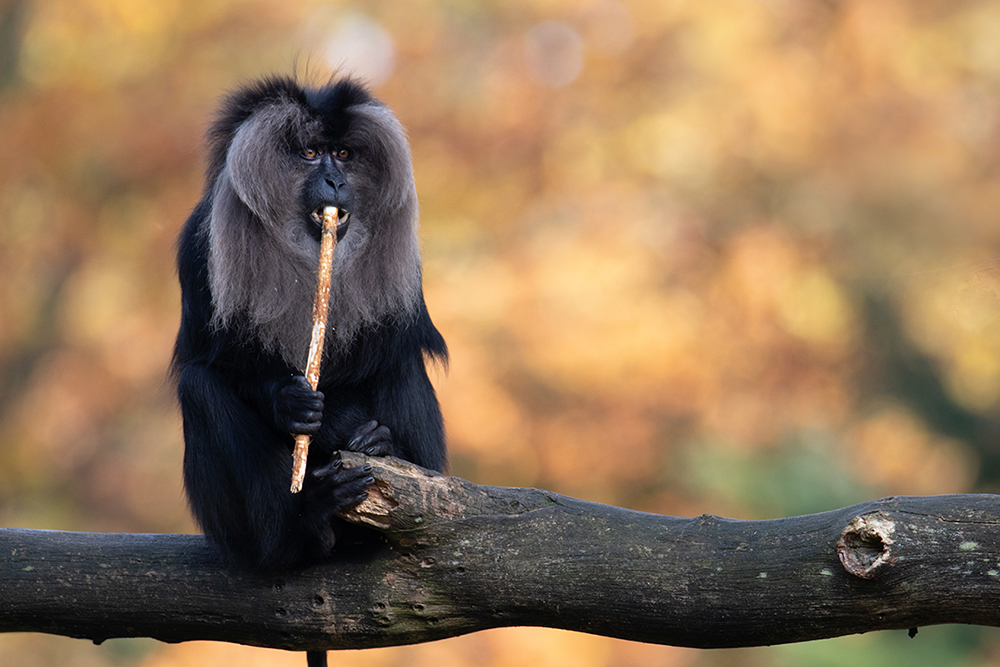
{"points": [[321, 304]]}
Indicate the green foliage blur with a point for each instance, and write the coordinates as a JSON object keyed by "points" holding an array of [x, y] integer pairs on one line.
{"points": [[737, 257]]}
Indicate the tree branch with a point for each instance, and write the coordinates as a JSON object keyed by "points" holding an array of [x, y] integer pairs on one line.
{"points": [[454, 557]]}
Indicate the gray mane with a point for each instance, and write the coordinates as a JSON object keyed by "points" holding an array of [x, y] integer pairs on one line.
{"points": [[262, 261]]}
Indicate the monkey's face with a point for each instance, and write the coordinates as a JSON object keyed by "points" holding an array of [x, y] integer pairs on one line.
{"points": [[280, 153], [327, 185]]}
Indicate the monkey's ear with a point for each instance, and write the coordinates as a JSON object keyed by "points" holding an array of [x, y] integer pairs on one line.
{"points": [[258, 162]]}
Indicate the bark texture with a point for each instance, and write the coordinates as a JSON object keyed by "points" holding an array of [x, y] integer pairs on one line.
{"points": [[446, 557]]}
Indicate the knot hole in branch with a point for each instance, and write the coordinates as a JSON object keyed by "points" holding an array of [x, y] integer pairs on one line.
{"points": [[865, 546]]}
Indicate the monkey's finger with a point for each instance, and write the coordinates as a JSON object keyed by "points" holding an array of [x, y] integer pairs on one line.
{"points": [[314, 402], [354, 485], [379, 443], [346, 502], [299, 387], [329, 469], [305, 428], [361, 434], [343, 485], [297, 399], [372, 439], [381, 433], [346, 494], [306, 405]]}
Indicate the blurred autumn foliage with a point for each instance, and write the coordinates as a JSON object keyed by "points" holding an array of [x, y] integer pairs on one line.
{"points": [[737, 257]]}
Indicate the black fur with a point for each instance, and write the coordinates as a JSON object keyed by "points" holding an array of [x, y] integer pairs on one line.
{"points": [[237, 359]]}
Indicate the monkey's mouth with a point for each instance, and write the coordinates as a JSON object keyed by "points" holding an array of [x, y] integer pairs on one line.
{"points": [[342, 220]]}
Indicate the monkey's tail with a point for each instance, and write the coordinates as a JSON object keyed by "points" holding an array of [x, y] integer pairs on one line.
{"points": [[315, 658]]}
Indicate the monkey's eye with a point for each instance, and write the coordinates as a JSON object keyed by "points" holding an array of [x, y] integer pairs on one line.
{"points": [[343, 154], [309, 153]]}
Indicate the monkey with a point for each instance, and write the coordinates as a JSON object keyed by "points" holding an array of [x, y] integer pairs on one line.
{"points": [[278, 152]]}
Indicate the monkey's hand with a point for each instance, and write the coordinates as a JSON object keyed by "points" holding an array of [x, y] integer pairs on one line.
{"points": [[334, 488], [337, 488], [297, 408], [373, 439]]}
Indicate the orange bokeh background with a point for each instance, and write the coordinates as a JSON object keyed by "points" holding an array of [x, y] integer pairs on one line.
{"points": [[737, 257]]}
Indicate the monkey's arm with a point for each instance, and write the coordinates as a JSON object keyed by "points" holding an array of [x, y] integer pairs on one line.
{"points": [[238, 414], [405, 398], [407, 405], [236, 471], [280, 394]]}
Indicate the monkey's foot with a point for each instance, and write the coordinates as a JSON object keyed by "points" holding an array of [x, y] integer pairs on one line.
{"points": [[372, 439]]}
